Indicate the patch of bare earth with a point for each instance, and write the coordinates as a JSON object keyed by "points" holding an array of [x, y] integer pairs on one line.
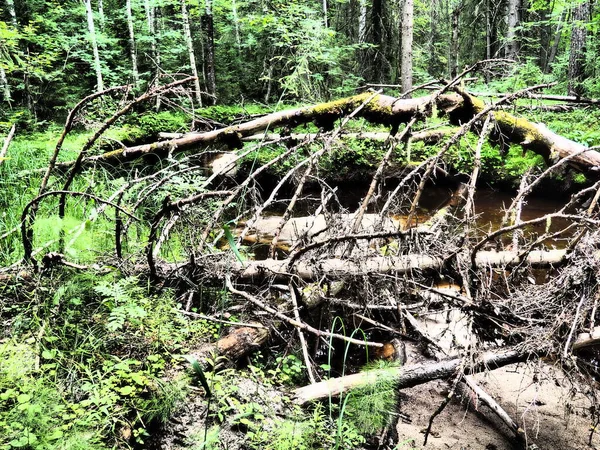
{"points": [[539, 398]]}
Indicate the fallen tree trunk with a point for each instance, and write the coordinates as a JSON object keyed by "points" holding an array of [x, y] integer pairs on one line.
{"points": [[380, 109], [405, 376], [343, 268], [558, 98], [539, 139], [429, 137]]}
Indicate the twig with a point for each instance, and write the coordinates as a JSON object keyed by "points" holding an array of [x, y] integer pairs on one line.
{"points": [[438, 411], [295, 323], [214, 319], [307, 362]]}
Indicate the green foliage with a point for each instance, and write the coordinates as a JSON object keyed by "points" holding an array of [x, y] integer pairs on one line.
{"points": [[152, 123], [370, 408], [283, 370], [303, 431], [33, 412]]}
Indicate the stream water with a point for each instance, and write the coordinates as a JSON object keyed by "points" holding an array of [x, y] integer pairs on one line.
{"points": [[490, 206]]}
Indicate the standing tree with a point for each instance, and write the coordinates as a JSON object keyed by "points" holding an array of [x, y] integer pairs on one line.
{"points": [[512, 46], [406, 66], [132, 48], [208, 30], [94, 42], [190, 47], [581, 15]]}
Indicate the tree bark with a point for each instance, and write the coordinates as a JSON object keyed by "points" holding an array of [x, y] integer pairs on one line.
{"points": [[341, 268], [132, 49], [362, 22], [380, 109], [557, 35], [577, 53], [407, 43], [239, 342], [187, 33], [209, 51], [405, 376], [10, 5], [453, 57], [4, 86], [94, 42], [512, 45], [101, 13], [236, 24], [154, 50]]}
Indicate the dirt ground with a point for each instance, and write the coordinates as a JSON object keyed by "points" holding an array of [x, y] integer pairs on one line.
{"points": [[553, 415]]}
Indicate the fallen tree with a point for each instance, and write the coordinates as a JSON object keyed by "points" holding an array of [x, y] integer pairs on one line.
{"points": [[376, 108], [377, 251], [344, 268], [406, 376]]}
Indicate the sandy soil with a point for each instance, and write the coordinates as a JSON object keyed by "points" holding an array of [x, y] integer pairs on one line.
{"points": [[552, 415]]}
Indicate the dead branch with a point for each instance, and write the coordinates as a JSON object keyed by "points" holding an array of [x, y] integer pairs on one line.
{"points": [[7, 141], [406, 376]]}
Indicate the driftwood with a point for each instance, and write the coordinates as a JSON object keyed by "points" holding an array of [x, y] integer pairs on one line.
{"points": [[338, 268], [405, 376]]}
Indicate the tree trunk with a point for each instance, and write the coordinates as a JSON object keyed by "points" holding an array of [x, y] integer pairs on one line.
{"points": [[209, 51], [376, 63], [187, 33], [577, 53], [556, 43], [94, 42], [362, 22], [404, 376], [453, 59], [380, 109], [239, 342], [4, 86], [325, 19], [407, 43], [132, 50], [512, 47], [154, 51], [343, 268], [101, 14], [10, 5], [236, 24]]}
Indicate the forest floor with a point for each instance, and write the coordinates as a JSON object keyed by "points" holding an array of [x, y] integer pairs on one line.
{"points": [[552, 413], [539, 397]]}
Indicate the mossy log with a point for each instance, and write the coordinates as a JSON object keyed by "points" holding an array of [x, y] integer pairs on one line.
{"points": [[376, 108], [538, 138], [404, 376]]}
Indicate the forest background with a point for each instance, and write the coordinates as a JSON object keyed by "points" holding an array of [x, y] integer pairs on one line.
{"points": [[92, 345]]}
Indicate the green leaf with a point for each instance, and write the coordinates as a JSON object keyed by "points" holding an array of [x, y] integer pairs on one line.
{"points": [[126, 390], [23, 398], [232, 244], [48, 354]]}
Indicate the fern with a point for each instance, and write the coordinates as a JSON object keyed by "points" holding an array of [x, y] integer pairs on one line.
{"points": [[125, 299]]}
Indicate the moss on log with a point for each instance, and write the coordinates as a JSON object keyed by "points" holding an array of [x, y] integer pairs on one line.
{"points": [[380, 109]]}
